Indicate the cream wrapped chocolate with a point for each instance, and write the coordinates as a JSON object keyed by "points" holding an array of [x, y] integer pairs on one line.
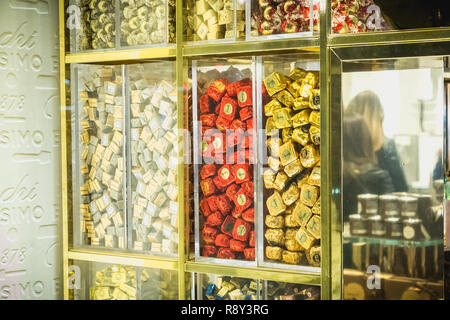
{"points": [[101, 182], [114, 283], [154, 162]]}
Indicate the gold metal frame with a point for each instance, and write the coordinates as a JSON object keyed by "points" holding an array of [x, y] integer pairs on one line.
{"points": [[333, 50]]}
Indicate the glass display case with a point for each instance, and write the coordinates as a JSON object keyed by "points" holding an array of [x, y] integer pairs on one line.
{"points": [[99, 162], [120, 24], [356, 16], [289, 146], [392, 140], [274, 290], [224, 158], [214, 21], [103, 281], [281, 19], [153, 142], [217, 287]]}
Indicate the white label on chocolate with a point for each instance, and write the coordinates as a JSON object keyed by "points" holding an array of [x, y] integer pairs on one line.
{"points": [[408, 232]]}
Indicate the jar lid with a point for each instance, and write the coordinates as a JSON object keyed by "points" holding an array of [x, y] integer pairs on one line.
{"points": [[388, 197], [367, 196]]}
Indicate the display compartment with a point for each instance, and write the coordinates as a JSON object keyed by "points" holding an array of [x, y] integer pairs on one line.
{"points": [[218, 287], [153, 160], [289, 145], [147, 23], [274, 290], [120, 24], [103, 281], [98, 162], [356, 16], [281, 19], [224, 160], [92, 25], [215, 21], [392, 140]]}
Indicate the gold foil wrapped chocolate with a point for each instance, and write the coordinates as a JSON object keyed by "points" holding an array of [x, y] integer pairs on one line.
{"points": [[275, 222], [291, 194], [275, 204], [274, 253], [291, 257], [309, 156], [275, 237]]}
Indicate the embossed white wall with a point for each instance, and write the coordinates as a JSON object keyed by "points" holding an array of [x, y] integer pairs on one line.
{"points": [[30, 254]]}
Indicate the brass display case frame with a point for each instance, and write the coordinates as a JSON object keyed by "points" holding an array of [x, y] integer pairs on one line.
{"points": [[333, 49]]}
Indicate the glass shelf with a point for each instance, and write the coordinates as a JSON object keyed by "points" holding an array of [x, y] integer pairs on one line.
{"points": [[394, 242]]}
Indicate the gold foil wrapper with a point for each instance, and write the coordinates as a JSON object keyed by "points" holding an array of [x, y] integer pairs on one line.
{"points": [[291, 194], [274, 146], [314, 132], [280, 181], [275, 237], [291, 257], [289, 221], [309, 195], [301, 135], [287, 153], [293, 245], [309, 156], [269, 179], [302, 214], [314, 256], [313, 226], [275, 222], [270, 107], [274, 83], [304, 238], [286, 98], [302, 118], [297, 74], [275, 204], [274, 253], [293, 168], [282, 118]]}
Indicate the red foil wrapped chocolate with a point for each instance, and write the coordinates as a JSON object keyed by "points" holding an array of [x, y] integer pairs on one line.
{"points": [[214, 219], [236, 245], [208, 120], [226, 253], [204, 207], [228, 108], [208, 187], [241, 230], [224, 204], [245, 114], [251, 239], [222, 240], [217, 89], [209, 234], [249, 215], [208, 170], [209, 251], [241, 172], [244, 96], [249, 253], [228, 225]]}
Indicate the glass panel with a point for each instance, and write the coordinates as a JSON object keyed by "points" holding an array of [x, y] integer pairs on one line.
{"points": [[30, 139], [98, 161], [216, 287], [224, 158], [211, 21], [273, 290], [154, 157], [158, 284], [282, 19], [92, 25], [290, 194], [354, 16], [392, 178], [144, 23]]}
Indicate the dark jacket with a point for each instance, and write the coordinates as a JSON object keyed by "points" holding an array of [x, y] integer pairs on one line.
{"points": [[371, 179], [389, 160]]}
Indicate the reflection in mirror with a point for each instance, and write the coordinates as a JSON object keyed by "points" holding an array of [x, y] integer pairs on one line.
{"points": [[392, 131]]}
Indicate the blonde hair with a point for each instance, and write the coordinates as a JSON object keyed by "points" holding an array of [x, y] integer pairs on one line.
{"points": [[368, 105]]}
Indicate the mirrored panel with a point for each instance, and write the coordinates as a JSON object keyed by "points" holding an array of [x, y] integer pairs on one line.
{"points": [[392, 178]]}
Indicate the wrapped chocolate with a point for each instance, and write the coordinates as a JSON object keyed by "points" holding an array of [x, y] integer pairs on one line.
{"points": [[158, 284], [114, 283], [229, 288], [225, 174], [101, 156], [292, 176], [283, 17], [290, 291]]}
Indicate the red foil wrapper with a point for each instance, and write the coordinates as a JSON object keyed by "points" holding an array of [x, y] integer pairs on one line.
{"points": [[251, 239], [223, 124], [249, 215], [218, 142], [241, 230], [208, 170], [223, 204], [245, 96], [204, 207], [236, 213], [249, 253], [212, 203], [238, 125], [208, 120], [236, 245], [241, 172], [209, 251], [207, 149], [228, 225], [218, 184], [226, 253], [209, 234], [248, 187], [232, 88], [231, 191], [225, 175], [217, 89], [208, 187], [206, 104], [246, 113], [222, 240], [214, 219], [249, 123], [228, 108]]}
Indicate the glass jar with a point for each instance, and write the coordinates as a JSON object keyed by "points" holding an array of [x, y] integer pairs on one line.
{"points": [[389, 206], [358, 225], [411, 229], [367, 204], [377, 226], [408, 206], [394, 228]]}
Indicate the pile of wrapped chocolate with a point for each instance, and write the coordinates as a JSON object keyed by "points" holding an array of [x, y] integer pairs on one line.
{"points": [[146, 22], [226, 175], [154, 159], [114, 283], [214, 19], [98, 27], [101, 156], [354, 16], [291, 291], [292, 171], [158, 284], [276, 17], [231, 288]]}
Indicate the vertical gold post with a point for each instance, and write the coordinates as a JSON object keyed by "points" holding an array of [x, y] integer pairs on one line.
{"points": [[64, 193], [180, 106]]}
